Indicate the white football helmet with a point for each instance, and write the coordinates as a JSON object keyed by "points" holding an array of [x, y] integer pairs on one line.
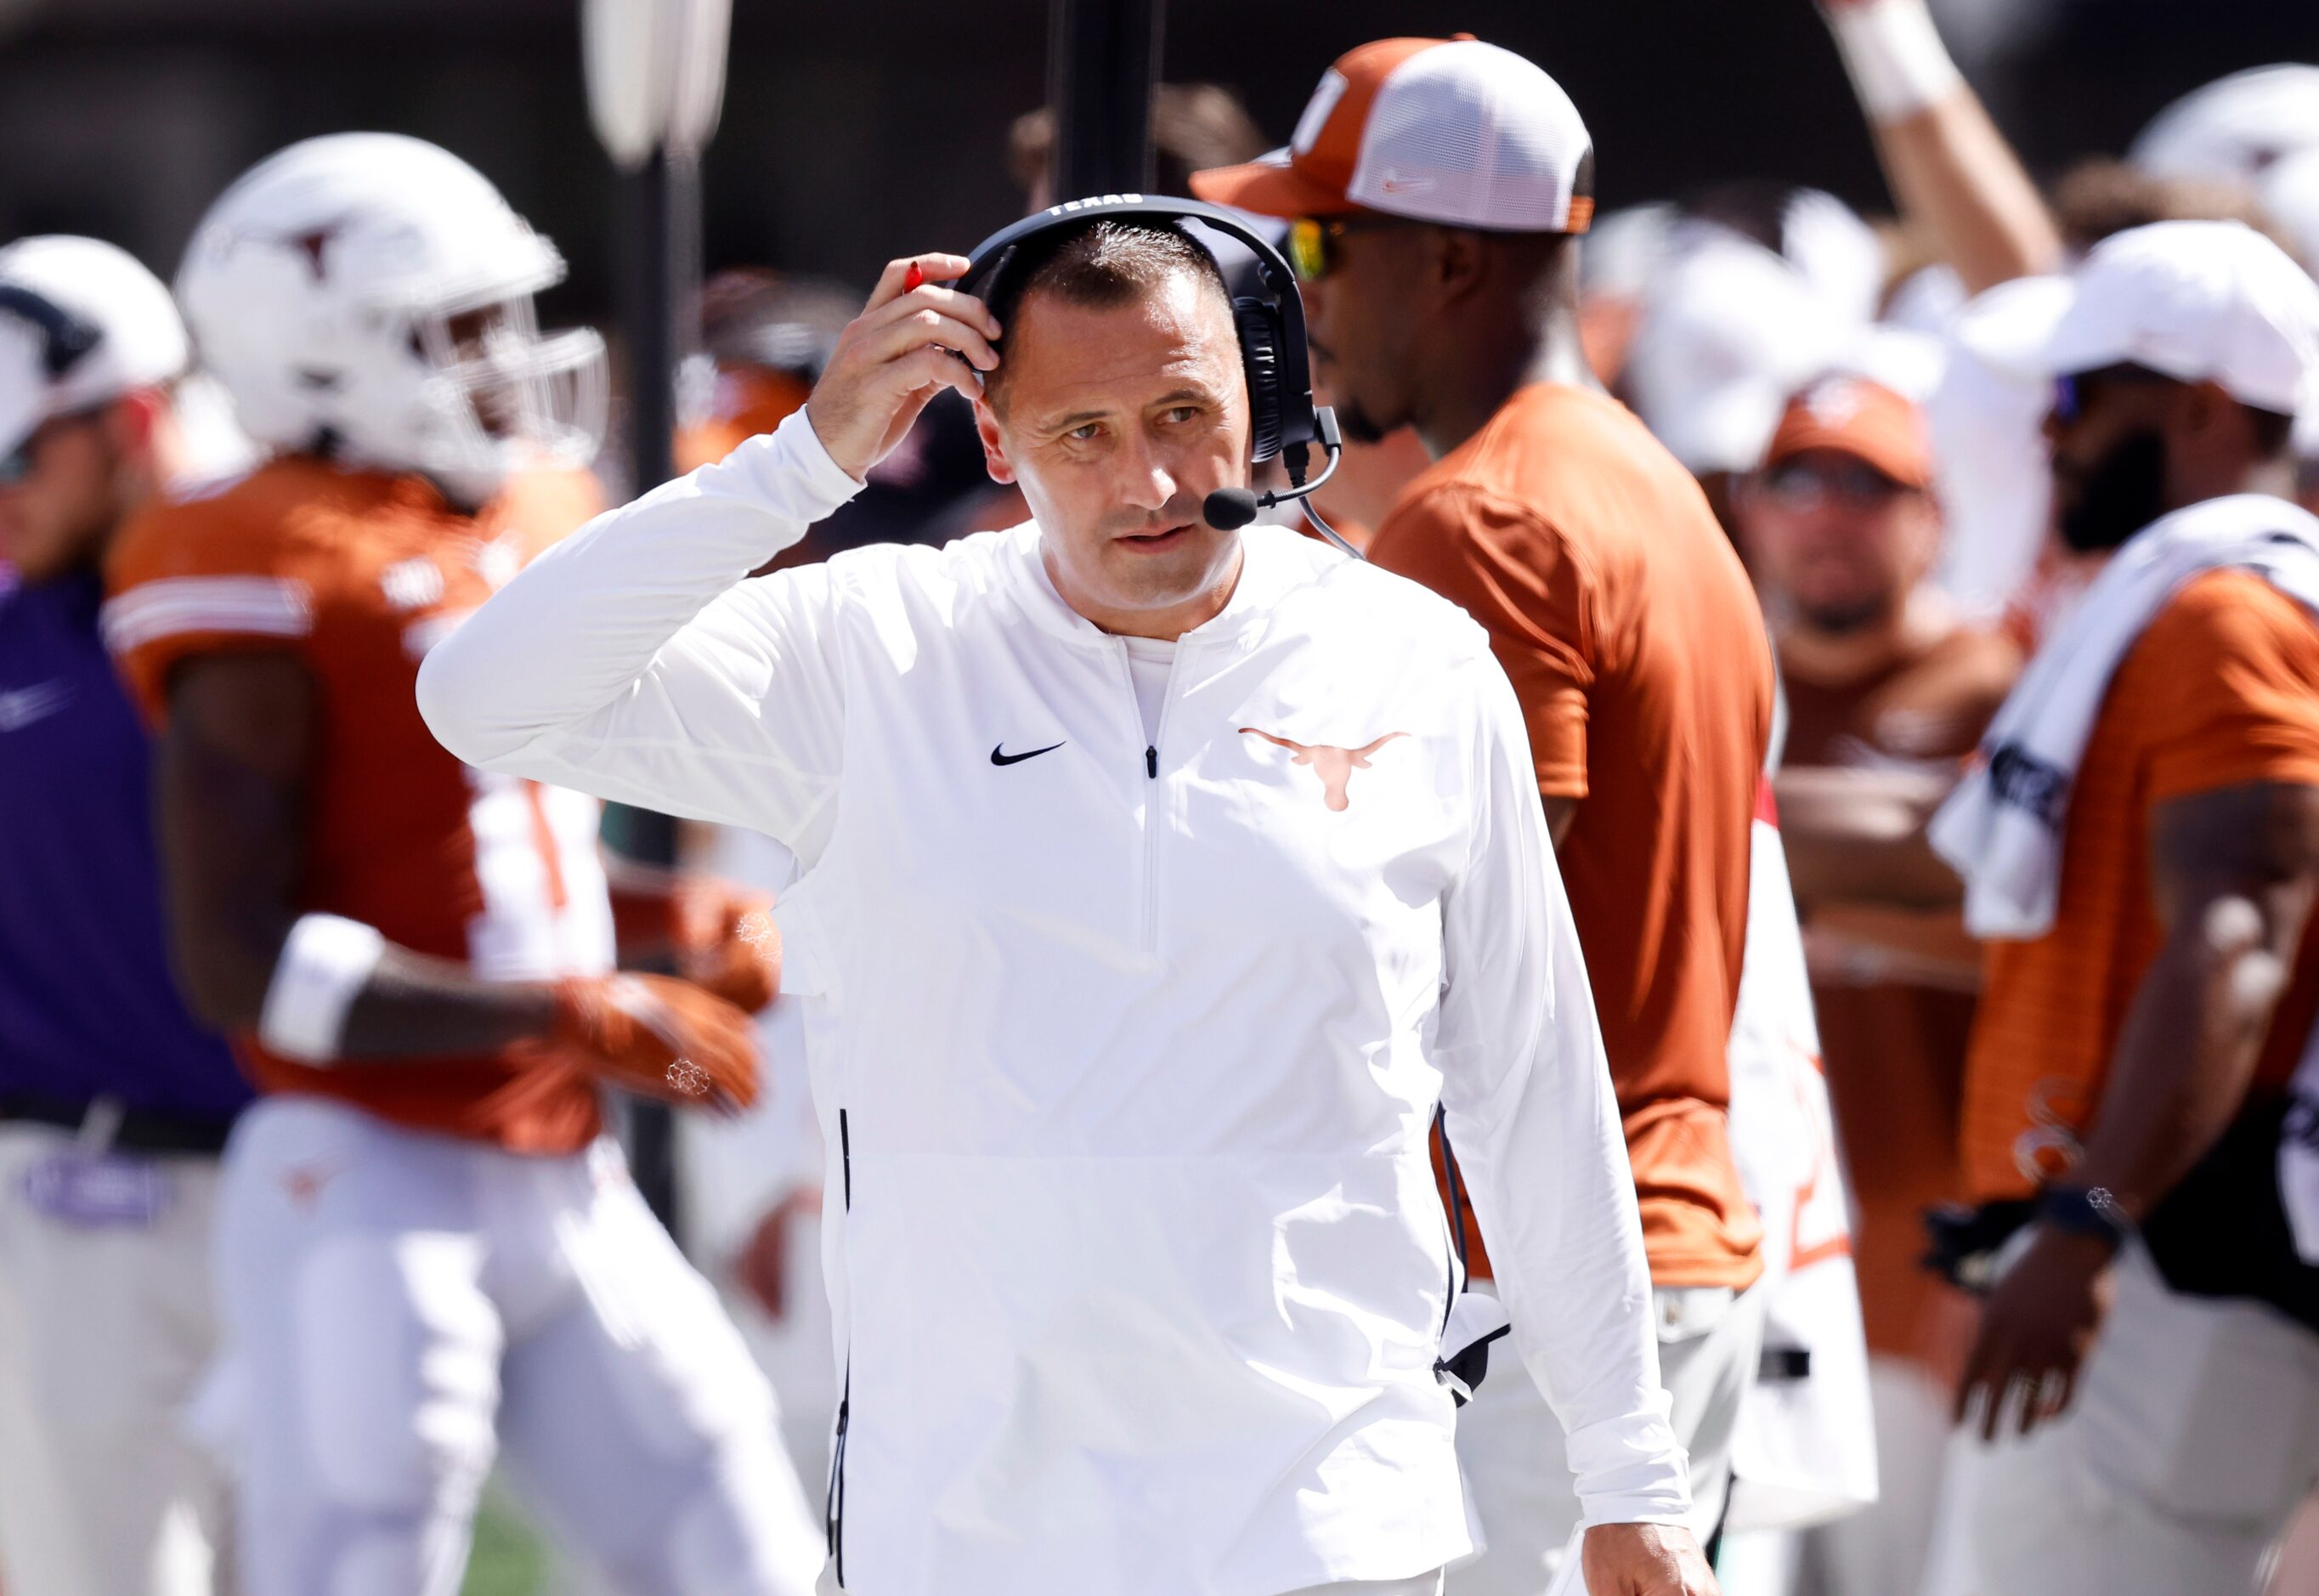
{"points": [[369, 297]]}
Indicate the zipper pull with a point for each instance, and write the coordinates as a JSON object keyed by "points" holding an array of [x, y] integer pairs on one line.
{"points": [[1151, 761]]}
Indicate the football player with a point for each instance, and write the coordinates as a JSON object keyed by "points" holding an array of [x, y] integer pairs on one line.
{"points": [[427, 1248]]}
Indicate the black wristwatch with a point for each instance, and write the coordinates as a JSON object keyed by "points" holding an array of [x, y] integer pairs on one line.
{"points": [[2086, 1211]]}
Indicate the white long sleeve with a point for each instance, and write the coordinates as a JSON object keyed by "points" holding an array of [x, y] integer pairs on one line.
{"points": [[1124, 1040], [632, 662], [1535, 1125]]}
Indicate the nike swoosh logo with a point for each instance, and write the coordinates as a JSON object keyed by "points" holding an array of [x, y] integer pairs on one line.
{"points": [[999, 757], [21, 707]]}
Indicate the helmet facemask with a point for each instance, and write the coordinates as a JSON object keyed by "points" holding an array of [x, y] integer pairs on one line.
{"points": [[499, 398]]}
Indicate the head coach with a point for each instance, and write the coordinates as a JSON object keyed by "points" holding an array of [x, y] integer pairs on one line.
{"points": [[1162, 880]]}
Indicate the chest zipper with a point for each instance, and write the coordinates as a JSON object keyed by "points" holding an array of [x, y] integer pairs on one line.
{"points": [[1153, 816], [833, 1507]]}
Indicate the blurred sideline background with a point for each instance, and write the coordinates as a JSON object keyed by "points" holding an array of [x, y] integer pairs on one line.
{"points": [[854, 130]]}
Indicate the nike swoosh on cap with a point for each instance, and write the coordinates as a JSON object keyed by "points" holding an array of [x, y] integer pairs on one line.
{"points": [[999, 756]]}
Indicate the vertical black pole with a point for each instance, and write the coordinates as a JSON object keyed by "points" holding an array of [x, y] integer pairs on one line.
{"points": [[661, 318], [652, 324], [663, 274], [1103, 61]]}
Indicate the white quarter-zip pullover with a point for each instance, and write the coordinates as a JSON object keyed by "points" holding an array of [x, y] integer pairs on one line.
{"points": [[1128, 1042]]}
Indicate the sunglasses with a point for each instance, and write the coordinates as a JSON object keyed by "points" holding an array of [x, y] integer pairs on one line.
{"points": [[2073, 390], [1311, 239], [1853, 483]]}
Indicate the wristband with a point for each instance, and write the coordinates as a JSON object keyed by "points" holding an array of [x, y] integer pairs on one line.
{"points": [[2084, 1211], [326, 961], [1894, 53]]}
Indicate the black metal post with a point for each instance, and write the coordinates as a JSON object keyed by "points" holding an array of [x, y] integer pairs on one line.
{"points": [[662, 277], [660, 316], [1103, 61]]}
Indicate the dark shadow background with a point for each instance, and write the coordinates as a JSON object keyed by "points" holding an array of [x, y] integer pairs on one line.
{"points": [[856, 129]]}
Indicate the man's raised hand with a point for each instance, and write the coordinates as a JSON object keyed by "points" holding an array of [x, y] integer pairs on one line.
{"points": [[908, 345]]}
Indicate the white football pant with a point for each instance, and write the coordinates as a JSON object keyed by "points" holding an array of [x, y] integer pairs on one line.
{"points": [[1518, 1479], [401, 1307], [2192, 1438], [105, 1333]]}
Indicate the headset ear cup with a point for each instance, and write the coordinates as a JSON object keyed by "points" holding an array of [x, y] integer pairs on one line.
{"points": [[1259, 356]]}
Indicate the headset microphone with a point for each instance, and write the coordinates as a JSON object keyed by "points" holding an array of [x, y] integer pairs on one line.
{"points": [[1228, 509]]}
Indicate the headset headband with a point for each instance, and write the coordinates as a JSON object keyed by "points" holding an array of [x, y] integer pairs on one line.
{"points": [[1287, 363], [65, 338]]}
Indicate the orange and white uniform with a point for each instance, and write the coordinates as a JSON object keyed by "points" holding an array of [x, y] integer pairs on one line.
{"points": [[357, 573], [422, 1260]]}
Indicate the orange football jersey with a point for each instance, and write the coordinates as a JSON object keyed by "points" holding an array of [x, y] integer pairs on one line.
{"points": [[2221, 689], [358, 573]]}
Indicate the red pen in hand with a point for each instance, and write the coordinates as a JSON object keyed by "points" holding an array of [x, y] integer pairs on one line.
{"points": [[914, 277]]}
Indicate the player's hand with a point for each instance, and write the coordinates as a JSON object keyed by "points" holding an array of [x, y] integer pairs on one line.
{"points": [[725, 941], [658, 1036], [908, 345], [2036, 1328], [1645, 1560]]}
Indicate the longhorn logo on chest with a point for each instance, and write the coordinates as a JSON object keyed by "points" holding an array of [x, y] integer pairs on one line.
{"points": [[1335, 766]]}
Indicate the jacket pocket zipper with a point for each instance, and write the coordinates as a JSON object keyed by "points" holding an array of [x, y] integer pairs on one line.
{"points": [[833, 1506], [832, 1511]]}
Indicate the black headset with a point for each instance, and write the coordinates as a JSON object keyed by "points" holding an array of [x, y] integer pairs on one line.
{"points": [[65, 338], [1282, 420], [1281, 416]]}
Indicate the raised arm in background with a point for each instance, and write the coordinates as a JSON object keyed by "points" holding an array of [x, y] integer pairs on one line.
{"points": [[1951, 173]]}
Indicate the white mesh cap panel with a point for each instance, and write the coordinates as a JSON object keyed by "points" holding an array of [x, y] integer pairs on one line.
{"points": [[1316, 113], [1472, 135]]}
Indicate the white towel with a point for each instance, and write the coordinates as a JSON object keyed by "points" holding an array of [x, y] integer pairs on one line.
{"points": [[2002, 828]]}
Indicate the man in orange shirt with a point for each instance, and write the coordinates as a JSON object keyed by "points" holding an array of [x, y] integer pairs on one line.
{"points": [[1887, 691], [2140, 842], [1436, 187]]}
